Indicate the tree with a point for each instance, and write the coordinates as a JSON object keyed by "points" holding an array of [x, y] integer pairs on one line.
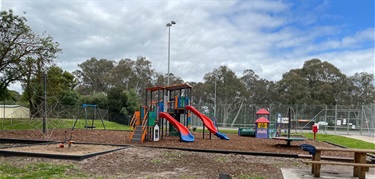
{"points": [[94, 76], [20, 47], [162, 80], [59, 87], [258, 90], [142, 75], [293, 88], [229, 91], [117, 99], [316, 83], [362, 88], [99, 99], [326, 82]]}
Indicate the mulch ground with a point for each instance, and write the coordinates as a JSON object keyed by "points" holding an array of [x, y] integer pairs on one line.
{"points": [[145, 162], [236, 143]]}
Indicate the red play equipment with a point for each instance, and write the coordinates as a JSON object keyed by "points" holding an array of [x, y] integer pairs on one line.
{"points": [[167, 111]]}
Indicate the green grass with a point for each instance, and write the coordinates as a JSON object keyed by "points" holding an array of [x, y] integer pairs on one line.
{"points": [[40, 170], [26, 124], [250, 176], [341, 140]]}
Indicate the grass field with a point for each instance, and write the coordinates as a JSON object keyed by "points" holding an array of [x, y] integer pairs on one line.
{"points": [[341, 140], [40, 170], [26, 124]]}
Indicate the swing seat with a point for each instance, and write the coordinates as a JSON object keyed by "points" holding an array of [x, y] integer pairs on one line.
{"points": [[90, 127]]}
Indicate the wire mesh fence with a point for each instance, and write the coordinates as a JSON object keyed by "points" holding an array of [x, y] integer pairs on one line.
{"points": [[335, 119], [55, 114]]}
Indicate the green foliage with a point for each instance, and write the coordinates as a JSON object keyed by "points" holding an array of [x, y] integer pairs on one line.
{"points": [[94, 76], [133, 102], [39, 170], [24, 55], [230, 90], [70, 98], [250, 176], [101, 75], [341, 140], [362, 88], [117, 100], [99, 99]]}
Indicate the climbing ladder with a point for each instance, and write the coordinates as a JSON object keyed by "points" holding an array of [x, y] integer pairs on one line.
{"points": [[137, 134], [139, 130]]}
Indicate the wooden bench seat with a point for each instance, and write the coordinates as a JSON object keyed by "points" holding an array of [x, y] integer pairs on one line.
{"points": [[358, 162], [339, 163]]}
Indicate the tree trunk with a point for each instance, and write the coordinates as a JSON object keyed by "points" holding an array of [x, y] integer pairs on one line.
{"points": [[238, 113]]}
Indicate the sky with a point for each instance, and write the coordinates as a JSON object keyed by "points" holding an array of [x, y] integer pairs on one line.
{"points": [[270, 37]]}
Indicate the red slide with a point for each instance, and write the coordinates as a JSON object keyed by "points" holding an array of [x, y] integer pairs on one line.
{"points": [[185, 134], [207, 122]]}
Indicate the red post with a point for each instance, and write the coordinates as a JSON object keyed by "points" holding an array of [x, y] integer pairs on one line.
{"points": [[314, 135], [315, 130]]}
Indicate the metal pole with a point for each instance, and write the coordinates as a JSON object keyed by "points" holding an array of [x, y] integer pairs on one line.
{"points": [[45, 105], [289, 121], [215, 100], [169, 52], [169, 47]]}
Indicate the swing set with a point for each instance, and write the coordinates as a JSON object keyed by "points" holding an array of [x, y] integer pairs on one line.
{"points": [[96, 113]]}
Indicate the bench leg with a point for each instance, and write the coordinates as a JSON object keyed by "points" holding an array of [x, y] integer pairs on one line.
{"points": [[315, 168], [360, 171]]}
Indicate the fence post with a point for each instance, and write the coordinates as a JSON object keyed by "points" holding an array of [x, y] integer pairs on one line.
{"points": [[335, 118]]}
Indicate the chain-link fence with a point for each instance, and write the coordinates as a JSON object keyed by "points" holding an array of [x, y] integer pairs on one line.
{"points": [[9, 114], [337, 119]]}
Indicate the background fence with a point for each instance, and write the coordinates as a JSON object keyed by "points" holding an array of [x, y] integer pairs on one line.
{"points": [[59, 111], [337, 119]]}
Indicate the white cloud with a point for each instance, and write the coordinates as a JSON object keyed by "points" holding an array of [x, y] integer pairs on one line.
{"points": [[270, 37]]}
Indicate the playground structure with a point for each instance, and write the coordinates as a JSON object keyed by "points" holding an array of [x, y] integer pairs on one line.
{"points": [[95, 113], [262, 126], [167, 112], [67, 141]]}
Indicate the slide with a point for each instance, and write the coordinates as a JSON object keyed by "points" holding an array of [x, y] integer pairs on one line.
{"points": [[207, 122], [185, 134]]}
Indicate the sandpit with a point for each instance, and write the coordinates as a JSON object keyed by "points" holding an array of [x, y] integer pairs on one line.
{"points": [[75, 149]]}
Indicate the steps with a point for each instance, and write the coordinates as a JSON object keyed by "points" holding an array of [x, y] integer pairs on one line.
{"points": [[137, 136]]}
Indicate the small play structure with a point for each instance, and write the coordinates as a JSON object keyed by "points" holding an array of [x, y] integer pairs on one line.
{"points": [[167, 112], [288, 139], [94, 112], [67, 141], [262, 126]]}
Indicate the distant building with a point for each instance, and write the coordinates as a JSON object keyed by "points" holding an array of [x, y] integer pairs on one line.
{"points": [[14, 112]]}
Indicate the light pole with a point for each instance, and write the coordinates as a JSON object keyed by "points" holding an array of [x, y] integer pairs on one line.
{"points": [[169, 47], [215, 100]]}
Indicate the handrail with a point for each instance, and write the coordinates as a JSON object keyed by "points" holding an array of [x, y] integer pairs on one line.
{"points": [[144, 122], [132, 122]]}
